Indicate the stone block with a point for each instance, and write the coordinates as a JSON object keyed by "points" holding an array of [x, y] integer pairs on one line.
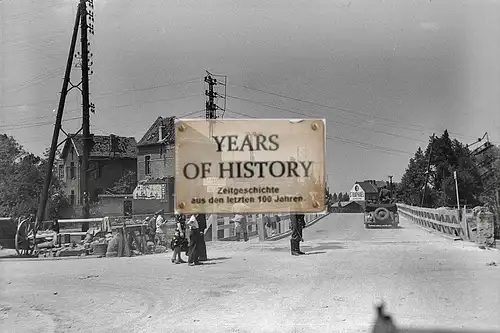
{"points": [[485, 225]]}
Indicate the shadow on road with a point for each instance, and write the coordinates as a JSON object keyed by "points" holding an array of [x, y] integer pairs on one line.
{"points": [[386, 227], [218, 258], [316, 252], [326, 246]]}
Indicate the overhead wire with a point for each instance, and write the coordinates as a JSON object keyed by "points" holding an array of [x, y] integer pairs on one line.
{"points": [[35, 103], [360, 144], [328, 120], [348, 111]]}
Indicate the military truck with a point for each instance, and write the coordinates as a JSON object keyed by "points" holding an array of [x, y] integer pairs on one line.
{"points": [[383, 212]]}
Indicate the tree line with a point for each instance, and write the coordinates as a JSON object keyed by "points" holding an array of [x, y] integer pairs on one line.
{"points": [[437, 164]]}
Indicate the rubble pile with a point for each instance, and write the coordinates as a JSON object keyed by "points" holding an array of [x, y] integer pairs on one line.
{"points": [[122, 240]]}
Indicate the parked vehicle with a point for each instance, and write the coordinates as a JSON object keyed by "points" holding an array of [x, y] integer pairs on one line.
{"points": [[381, 214]]}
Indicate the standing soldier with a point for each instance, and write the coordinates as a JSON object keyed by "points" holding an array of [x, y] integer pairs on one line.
{"points": [[296, 238], [302, 222], [202, 246]]}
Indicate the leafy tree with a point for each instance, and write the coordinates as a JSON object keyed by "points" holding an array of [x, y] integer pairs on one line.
{"points": [[125, 184], [335, 197], [447, 157], [345, 197], [21, 184], [409, 190]]}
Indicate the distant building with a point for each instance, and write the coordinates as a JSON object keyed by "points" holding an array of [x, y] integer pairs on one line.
{"points": [[347, 207], [109, 158], [156, 150], [156, 163], [365, 190]]}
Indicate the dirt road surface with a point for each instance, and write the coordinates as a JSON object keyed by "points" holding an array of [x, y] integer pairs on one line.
{"points": [[426, 281]]}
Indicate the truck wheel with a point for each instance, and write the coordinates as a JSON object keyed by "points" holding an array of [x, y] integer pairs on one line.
{"points": [[381, 213]]}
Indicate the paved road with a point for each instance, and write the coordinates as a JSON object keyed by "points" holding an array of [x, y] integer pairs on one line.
{"points": [[425, 279]]}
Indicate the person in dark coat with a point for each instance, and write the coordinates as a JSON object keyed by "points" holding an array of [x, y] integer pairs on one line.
{"points": [[296, 237], [202, 246], [302, 221], [385, 195], [194, 235]]}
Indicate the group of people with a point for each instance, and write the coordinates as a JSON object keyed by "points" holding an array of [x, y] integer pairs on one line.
{"points": [[189, 236], [194, 244]]}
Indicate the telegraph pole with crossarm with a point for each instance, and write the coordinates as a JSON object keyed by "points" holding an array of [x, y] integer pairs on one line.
{"points": [[84, 11]]}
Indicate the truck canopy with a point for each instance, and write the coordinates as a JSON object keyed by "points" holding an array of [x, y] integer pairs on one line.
{"points": [[371, 207]]}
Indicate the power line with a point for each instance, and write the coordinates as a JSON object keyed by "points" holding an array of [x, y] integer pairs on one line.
{"points": [[345, 110], [329, 120], [191, 80], [39, 124], [199, 112], [115, 107], [104, 94], [360, 144]]}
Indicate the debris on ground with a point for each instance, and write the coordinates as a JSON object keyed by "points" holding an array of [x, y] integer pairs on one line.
{"points": [[492, 263], [160, 249]]}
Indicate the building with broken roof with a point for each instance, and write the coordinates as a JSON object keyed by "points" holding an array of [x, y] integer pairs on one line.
{"points": [[109, 158], [156, 165]]}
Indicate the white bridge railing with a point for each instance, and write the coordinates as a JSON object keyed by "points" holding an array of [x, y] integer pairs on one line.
{"points": [[450, 222]]}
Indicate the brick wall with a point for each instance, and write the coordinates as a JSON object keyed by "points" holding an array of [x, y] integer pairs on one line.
{"points": [[109, 172], [162, 161]]}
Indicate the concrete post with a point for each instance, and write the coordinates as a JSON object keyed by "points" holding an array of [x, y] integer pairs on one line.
{"points": [[485, 229], [228, 232], [261, 228], [215, 227]]}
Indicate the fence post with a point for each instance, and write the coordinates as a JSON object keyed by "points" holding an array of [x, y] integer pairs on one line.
{"points": [[215, 227], [261, 228], [227, 231], [465, 224], [485, 229]]}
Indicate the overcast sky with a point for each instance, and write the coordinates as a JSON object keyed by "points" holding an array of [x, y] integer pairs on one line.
{"points": [[384, 74]]}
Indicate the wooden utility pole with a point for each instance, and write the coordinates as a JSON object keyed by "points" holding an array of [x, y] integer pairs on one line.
{"points": [[427, 171], [57, 127], [85, 111]]}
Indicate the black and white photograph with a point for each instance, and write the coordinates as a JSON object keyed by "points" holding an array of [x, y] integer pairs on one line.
{"points": [[250, 166]]}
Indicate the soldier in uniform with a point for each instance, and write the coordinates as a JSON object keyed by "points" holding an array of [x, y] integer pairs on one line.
{"points": [[202, 246], [385, 195], [296, 237], [302, 221]]}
